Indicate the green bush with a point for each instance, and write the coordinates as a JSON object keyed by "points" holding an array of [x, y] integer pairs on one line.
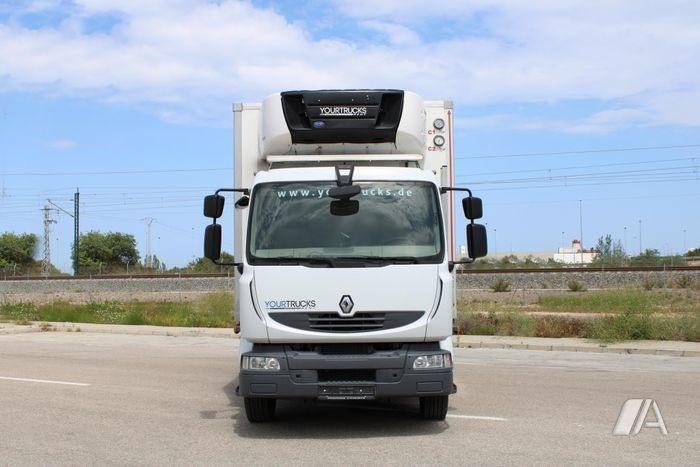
{"points": [[501, 285], [684, 281], [576, 286]]}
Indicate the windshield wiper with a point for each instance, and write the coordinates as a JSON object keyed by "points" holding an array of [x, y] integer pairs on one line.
{"points": [[304, 261], [381, 259]]}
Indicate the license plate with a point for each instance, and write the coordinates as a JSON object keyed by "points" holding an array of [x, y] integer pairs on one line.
{"points": [[346, 392]]}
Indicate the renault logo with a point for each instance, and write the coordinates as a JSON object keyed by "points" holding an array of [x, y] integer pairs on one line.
{"points": [[346, 304]]}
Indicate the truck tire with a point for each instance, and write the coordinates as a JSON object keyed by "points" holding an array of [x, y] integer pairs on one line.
{"points": [[259, 409], [433, 407]]}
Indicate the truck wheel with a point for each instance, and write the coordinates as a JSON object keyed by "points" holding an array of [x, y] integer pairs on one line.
{"points": [[259, 409], [433, 407]]}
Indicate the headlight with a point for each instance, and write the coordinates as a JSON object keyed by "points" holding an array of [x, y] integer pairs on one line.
{"points": [[439, 140], [432, 361], [260, 363], [439, 123]]}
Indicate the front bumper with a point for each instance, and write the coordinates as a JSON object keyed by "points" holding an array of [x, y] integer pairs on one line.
{"points": [[346, 373]]}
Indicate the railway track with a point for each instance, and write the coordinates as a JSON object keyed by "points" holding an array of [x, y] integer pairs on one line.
{"points": [[462, 271]]}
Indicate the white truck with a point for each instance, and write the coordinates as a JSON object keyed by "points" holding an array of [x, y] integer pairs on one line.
{"points": [[344, 244]]}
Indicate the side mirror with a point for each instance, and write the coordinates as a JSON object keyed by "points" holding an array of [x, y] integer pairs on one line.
{"points": [[473, 208], [345, 207], [344, 192], [242, 202], [214, 206], [212, 242], [477, 245]]}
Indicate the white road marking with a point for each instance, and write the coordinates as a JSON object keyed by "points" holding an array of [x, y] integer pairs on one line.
{"points": [[477, 417], [30, 380]]}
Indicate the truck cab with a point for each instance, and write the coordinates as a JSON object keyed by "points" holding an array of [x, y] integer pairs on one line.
{"points": [[344, 242]]}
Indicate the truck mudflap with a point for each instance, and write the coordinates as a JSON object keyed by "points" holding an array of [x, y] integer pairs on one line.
{"points": [[347, 372]]}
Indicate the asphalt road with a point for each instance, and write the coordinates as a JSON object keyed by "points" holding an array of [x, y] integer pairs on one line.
{"points": [[165, 400]]}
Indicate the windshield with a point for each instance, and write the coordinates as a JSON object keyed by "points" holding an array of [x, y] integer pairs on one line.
{"points": [[396, 221]]}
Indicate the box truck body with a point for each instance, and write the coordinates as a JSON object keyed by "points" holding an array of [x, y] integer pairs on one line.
{"points": [[344, 237]]}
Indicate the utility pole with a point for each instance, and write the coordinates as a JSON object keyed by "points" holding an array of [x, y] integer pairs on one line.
{"points": [[46, 262], [580, 226], [640, 237], [495, 242], [562, 241], [625, 239], [685, 246], [76, 227], [149, 257], [76, 231]]}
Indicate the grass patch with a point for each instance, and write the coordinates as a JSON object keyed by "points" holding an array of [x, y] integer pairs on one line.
{"points": [[643, 325], [628, 325], [212, 310], [493, 323], [633, 314], [621, 300]]}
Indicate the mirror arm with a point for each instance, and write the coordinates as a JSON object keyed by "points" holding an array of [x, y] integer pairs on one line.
{"points": [[245, 191], [238, 266], [451, 264], [445, 189]]}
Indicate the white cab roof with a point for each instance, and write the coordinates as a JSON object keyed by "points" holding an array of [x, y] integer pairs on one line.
{"points": [[328, 173]]}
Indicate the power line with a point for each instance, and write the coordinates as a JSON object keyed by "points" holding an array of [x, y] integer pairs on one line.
{"points": [[111, 172], [661, 171], [584, 151], [589, 166], [572, 185], [606, 198]]}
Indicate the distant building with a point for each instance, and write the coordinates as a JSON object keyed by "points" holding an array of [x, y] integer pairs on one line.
{"points": [[573, 255], [576, 254]]}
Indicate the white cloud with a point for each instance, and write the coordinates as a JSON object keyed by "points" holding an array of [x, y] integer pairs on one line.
{"points": [[189, 59], [61, 144], [396, 33], [605, 121]]}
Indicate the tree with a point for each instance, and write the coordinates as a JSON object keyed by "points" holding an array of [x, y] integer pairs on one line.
{"points": [[205, 265], [610, 252], [112, 249], [17, 248], [154, 264], [693, 252], [650, 257]]}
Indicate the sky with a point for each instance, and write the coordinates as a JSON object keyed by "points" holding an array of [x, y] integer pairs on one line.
{"points": [[558, 104]]}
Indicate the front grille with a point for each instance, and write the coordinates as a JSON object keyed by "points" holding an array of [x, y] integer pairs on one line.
{"points": [[332, 322], [346, 376]]}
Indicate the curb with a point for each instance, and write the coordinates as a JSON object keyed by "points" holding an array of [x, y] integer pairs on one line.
{"points": [[141, 330], [459, 341], [18, 330], [585, 347]]}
